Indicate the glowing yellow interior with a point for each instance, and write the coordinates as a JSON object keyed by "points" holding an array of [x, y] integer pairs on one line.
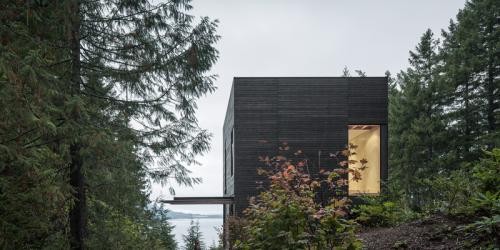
{"points": [[367, 138]]}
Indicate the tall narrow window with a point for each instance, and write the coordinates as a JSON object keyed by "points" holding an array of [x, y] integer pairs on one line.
{"points": [[225, 166], [367, 140], [232, 152]]}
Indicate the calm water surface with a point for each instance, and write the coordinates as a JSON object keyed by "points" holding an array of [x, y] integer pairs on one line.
{"points": [[206, 227]]}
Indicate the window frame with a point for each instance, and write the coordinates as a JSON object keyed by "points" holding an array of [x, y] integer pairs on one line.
{"points": [[380, 155], [232, 152]]}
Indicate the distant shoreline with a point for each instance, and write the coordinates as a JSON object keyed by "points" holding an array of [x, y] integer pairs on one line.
{"points": [[180, 215]]}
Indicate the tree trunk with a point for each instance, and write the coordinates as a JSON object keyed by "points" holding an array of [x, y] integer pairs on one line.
{"points": [[467, 120], [492, 105], [77, 213]]}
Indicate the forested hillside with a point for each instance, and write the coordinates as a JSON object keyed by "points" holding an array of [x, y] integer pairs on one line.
{"points": [[444, 139], [444, 109], [96, 99]]}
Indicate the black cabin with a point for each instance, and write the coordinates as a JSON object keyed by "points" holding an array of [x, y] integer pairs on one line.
{"points": [[318, 115]]}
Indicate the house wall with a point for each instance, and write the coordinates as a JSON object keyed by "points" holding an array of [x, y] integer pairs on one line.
{"points": [[309, 113], [228, 179]]}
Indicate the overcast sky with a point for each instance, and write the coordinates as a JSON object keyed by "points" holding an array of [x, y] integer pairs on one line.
{"points": [[302, 38]]}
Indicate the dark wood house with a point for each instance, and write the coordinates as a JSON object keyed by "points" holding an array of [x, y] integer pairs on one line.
{"points": [[318, 115]]}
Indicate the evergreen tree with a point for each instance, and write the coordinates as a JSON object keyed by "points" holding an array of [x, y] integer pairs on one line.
{"points": [[215, 246], [94, 93], [418, 128], [471, 54], [346, 72], [149, 64], [193, 240], [33, 188], [360, 73], [444, 110]]}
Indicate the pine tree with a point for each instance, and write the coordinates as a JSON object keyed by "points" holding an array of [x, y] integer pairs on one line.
{"points": [[193, 240], [418, 128], [471, 55]]}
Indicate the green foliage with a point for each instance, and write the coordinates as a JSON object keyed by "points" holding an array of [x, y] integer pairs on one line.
{"points": [[471, 59], [124, 93], [112, 227], [377, 214], [193, 240], [485, 203], [484, 232], [215, 246], [487, 171], [235, 230], [220, 243], [443, 109], [347, 73], [34, 195], [448, 194], [469, 193], [417, 131], [472, 191], [288, 214], [472, 194]]}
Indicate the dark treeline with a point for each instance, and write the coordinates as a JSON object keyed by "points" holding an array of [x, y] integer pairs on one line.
{"points": [[444, 109], [96, 99]]}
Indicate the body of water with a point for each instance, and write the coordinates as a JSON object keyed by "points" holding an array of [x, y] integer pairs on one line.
{"points": [[207, 228]]}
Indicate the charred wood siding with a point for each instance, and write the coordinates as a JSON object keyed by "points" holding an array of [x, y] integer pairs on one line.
{"points": [[367, 100], [256, 127], [228, 125], [309, 113]]}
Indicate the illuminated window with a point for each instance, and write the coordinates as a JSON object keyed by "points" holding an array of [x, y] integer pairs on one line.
{"points": [[367, 140]]}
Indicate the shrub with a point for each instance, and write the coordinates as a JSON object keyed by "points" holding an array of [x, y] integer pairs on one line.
{"points": [[484, 204], [487, 171], [470, 191], [474, 194], [381, 212], [484, 232], [378, 214], [449, 192], [289, 216], [235, 231]]}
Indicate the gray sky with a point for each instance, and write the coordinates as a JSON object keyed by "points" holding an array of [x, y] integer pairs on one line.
{"points": [[302, 38]]}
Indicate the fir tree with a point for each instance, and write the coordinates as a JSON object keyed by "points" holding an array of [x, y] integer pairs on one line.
{"points": [[96, 93], [360, 73], [417, 120], [193, 240], [149, 64], [33, 191], [346, 72], [471, 67]]}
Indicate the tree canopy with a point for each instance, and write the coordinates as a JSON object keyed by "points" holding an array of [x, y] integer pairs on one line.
{"points": [[98, 97]]}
